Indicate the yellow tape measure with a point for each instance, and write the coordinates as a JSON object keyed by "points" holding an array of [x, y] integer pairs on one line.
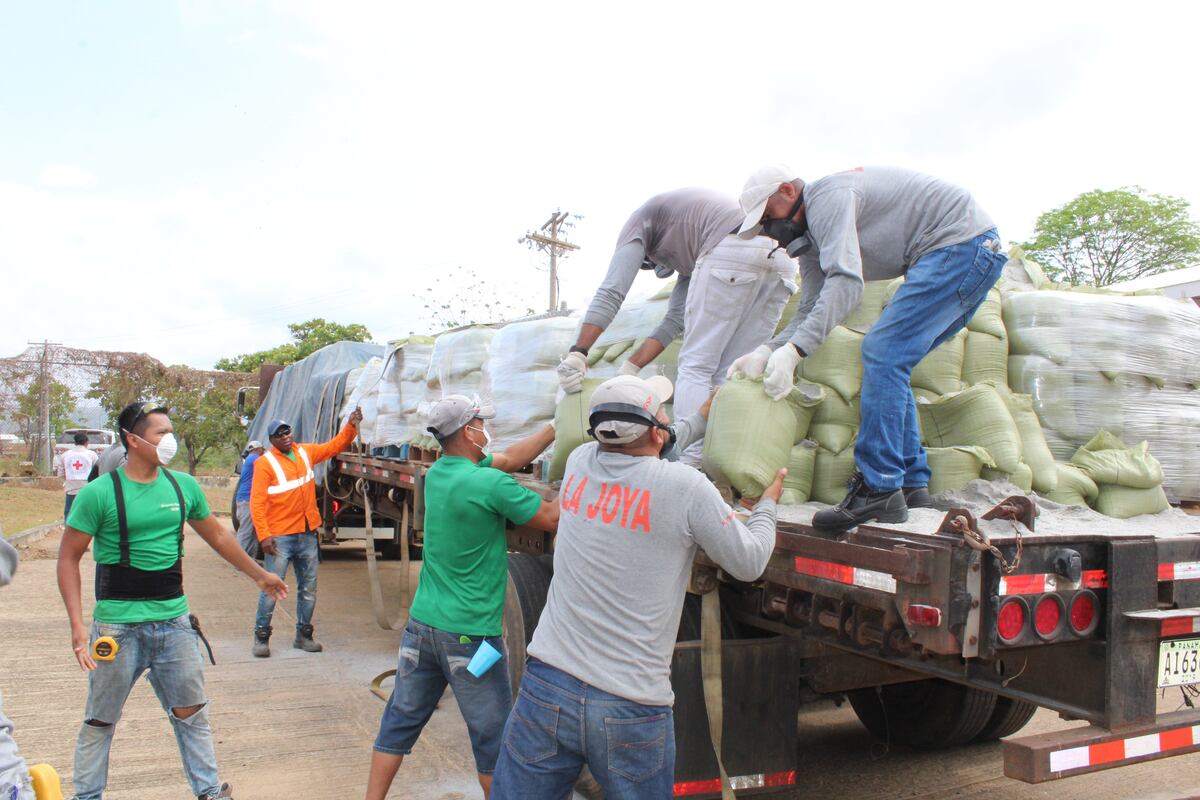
{"points": [[105, 648]]}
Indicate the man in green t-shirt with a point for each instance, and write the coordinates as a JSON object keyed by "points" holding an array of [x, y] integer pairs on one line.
{"points": [[135, 515], [460, 599]]}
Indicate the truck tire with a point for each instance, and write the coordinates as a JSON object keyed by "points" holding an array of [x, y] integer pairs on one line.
{"points": [[528, 583], [1008, 718], [927, 714]]}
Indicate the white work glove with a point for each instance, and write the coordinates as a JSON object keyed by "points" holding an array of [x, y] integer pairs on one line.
{"points": [[571, 371], [780, 374], [629, 368], [752, 364]]}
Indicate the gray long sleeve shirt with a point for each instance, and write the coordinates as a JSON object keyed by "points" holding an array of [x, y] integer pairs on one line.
{"points": [[8, 561], [871, 223], [674, 230], [628, 532]]}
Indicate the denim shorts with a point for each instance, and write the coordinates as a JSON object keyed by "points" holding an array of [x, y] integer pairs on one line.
{"points": [[429, 660]]}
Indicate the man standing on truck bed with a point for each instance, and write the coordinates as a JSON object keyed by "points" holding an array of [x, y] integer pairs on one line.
{"points": [[732, 291], [135, 515], [460, 599], [874, 223], [597, 685], [283, 505]]}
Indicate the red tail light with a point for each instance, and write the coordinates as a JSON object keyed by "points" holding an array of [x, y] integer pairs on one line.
{"points": [[336, 506], [1084, 613], [1010, 621], [924, 616], [1048, 615]]}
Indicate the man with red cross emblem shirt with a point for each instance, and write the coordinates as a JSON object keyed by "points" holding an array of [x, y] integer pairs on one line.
{"points": [[283, 505]]}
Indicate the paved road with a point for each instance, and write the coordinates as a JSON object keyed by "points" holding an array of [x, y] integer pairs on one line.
{"points": [[300, 725]]}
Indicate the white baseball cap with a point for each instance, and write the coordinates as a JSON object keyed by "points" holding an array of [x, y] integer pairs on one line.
{"points": [[454, 411], [646, 394], [758, 189]]}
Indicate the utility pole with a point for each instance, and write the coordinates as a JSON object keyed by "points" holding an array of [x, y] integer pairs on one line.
{"points": [[546, 239], [45, 449]]}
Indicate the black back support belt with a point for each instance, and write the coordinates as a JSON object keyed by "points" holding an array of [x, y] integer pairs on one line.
{"points": [[123, 581]]}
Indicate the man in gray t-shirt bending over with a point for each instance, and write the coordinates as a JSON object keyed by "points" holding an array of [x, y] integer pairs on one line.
{"points": [[874, 223], [597, 686], [731, 291]]}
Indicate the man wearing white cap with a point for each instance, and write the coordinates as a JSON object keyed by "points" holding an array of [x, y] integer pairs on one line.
{"points": [[874, 223], [597, 685], [730, 291], [460, 600]]}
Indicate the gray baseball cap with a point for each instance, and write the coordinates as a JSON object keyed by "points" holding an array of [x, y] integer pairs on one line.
{"points": [[647, 394], [452, 412], [254, 445]]}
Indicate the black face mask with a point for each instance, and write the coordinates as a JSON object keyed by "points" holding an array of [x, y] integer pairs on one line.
{"points": [[785, 231]]}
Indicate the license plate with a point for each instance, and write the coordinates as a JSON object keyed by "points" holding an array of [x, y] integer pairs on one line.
{"points": [[1178, 662]]}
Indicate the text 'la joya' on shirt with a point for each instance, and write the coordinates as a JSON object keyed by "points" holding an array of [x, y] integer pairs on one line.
{"points": [[628, 530], [464, 572], [152, 516]]}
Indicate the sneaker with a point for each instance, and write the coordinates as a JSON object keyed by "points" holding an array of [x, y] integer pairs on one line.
{"points": [[917, 497], [262, 643], [304, 640], [225, 793], [862, 505]]}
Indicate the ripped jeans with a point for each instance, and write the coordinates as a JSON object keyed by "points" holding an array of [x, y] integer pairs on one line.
{"points": [[170, 652], [429, 660]]}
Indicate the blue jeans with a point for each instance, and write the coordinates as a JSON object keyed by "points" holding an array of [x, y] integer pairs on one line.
{"points": [[560, 723], [300, 550], [170, 651], [70, 498], [429, 659], [942, 291]]}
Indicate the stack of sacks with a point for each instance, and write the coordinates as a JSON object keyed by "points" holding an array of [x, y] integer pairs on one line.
{"points": [[636, 320], [365, 395], [1126, 364], [1074, 488], [1129, 479], [402, 391], [456, 363], [571, 426], [749, 436], [977, 416], [985, 352], [520, 371], [953, 468]]}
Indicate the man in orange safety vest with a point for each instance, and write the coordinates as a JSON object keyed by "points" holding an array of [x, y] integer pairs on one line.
{"points": [[283, 505]]}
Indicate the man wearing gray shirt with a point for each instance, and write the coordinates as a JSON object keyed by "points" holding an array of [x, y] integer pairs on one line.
{"points": [[597, 685], [874, 223], [731, 292]]}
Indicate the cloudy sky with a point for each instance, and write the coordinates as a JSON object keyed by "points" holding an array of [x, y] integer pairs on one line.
{"points": [[185, 178]]}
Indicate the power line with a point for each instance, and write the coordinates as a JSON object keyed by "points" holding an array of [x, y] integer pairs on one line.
{"points": [[546, 240]]}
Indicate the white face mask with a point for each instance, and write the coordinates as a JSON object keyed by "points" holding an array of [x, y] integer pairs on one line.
{"points": [[487, 440], [166, 448]]}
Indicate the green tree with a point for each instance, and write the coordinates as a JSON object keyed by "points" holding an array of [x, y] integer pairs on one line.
{"points": [[1101, 238], [202, 403], [307, 338], [28, 418]]}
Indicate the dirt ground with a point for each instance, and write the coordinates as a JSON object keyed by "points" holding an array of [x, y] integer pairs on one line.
{"points": [[300, 725]]}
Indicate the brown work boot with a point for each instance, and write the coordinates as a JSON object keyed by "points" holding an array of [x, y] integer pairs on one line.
{"points": [[262, 642], [304, 640]]}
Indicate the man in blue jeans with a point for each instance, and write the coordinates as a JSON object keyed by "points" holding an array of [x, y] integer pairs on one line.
{"points": [[873, 223], [469, 495], [597, 686], [283, 504], [135, 516]]}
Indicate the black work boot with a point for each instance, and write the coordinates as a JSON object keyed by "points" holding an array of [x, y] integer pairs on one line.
{"points": [[862, 505], [917, 497], [304, 640], [226, 793], [262, 642]]}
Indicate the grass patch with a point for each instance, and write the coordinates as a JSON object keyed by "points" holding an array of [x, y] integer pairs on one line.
{"points": [[22, 508]]}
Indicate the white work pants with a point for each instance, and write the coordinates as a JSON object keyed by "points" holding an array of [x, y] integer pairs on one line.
{"points": [[733, 305]]}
